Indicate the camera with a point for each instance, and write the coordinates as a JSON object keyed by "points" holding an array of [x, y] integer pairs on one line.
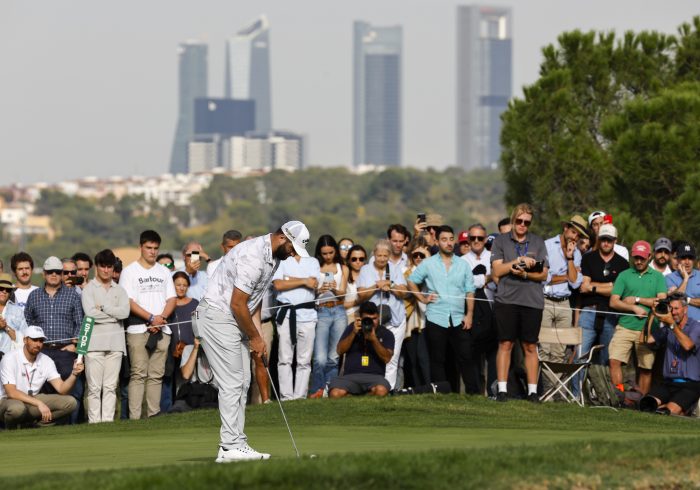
{"points": [[663, 306], [421, 217], [367, 325]]}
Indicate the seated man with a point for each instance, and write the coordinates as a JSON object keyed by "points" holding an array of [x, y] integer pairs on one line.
{"points": [[680, 389], [368, 348], [22, 375]]}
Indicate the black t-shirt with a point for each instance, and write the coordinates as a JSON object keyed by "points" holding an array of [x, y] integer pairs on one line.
{"points": [[360, 348], [593, 266]]}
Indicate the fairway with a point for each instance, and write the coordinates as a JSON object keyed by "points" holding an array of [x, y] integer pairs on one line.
{"points": [[405, 428]]}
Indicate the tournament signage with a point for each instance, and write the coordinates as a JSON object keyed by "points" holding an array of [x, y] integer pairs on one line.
{"points": [[85, 333]]}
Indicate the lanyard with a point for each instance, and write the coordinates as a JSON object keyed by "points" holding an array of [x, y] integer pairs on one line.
{"points": [[519, 251], [30, 392]]}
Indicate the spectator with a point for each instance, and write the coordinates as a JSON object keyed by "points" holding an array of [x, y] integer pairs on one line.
{"points": [[167, 260], [595, 220], [57, 310], [83, 264], [583, 245], [599, 269], [415, 346], [199, 388], [260, 392], [483, 332], [230, 239], [463, 246], [356, 259], [194, 256], [117, 270], [296, 281], [152, 300], [635, 291], [22, 266], [686, 279], [367, 350], [397, 235], [21, 402], [662, 256], [564, 276], [519, 261], [427, 229], [12, 322], [106, 302], [680, 389], [504, 226], [344, 245], [70, 274], [449, 282], [383, 283], [331, 313]]}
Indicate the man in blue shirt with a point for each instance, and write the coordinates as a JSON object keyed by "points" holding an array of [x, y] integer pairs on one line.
{"points": [[680, 389], [449, 281], [686, 279]]}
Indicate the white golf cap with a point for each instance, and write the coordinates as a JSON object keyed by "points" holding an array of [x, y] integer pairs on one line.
{"points": [[34, 332], [53, 263], [298, 234], [607, 231]]}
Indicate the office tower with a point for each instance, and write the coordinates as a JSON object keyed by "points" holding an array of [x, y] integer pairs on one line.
{"points": [[484, 67], [226, 117], [247, 74], [267, 150], [377, 94], [192, 79]]}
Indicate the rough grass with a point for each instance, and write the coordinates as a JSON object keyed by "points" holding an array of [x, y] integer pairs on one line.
{"points": [[402, 442]]}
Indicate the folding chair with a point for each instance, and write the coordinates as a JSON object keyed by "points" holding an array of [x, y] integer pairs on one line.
{"points": [[561, 373]]}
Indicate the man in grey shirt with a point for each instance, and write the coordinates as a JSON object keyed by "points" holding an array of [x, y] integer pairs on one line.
{"points": [[519, 263]]}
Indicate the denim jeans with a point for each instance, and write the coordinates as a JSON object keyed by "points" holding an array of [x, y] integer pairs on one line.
{"points": [[331, 325], [588, 339]]}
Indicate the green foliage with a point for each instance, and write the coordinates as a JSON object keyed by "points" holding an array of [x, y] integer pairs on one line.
{"points": [[611, 123]]}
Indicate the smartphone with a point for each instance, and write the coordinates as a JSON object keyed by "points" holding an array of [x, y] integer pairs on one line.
{"points": [[327, 277], [421, 217], [77, 280], [194, 258]]}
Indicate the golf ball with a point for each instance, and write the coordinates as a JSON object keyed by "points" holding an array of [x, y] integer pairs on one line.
{"points": [[312, 456]]}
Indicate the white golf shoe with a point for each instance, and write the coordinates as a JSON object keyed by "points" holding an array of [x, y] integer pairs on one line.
{"points": [[243, 453]]}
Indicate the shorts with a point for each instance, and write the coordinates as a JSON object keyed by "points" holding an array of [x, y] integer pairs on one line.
{"points": [[685, 395], [515, 322], [359, 383], [621, 346]]}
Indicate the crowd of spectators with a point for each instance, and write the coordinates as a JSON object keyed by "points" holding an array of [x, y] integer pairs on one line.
{"points": [[429, 308]]}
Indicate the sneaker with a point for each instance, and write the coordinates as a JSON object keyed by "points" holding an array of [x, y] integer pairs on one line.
{"points": [[502, 396], [317, 394], [267, 401], [244, 453], [533, 398]]}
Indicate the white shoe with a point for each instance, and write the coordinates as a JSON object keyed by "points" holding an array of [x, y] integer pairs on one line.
{"points": [[255, 454], [245, 453]]}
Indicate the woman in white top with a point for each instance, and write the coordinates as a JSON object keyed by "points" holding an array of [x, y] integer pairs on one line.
{"points": [[331, 313], [357, 257], [416, 362]]}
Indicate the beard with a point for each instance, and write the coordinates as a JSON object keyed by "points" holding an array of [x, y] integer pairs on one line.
{"points": [[281, 253]]}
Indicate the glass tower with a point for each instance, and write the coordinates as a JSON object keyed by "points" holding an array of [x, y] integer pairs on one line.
{"points": [[192, 62], [247, 73], [377, 94], [484, 82]]}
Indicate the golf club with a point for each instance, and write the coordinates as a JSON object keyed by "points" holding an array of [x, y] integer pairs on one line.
{"points": [[269, 376]]}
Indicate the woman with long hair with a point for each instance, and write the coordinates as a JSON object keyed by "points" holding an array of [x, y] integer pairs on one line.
{"points": [[417, 361], [331, 313], [357, 257]]}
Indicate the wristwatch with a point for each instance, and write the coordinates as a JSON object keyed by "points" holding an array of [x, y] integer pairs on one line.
{"points": [[672, 326], [636, 300]]}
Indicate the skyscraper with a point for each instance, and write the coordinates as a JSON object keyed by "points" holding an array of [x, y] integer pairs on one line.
{"points": [[484, 82], [192, 79], [247, 74], [377, 94]]}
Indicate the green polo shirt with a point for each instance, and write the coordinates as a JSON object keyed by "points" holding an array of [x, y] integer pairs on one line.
{"points": [[645, 285]]}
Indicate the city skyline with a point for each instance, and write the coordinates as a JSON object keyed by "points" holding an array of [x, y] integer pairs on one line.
{"points": [[93, 89]]}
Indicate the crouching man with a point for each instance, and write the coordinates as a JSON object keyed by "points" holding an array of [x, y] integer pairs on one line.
{"points": [[23, 374], [368, 348], [680, 389]]}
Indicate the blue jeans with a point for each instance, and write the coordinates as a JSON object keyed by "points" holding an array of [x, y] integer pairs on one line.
{"points": [[587, 323], [331, 325], [166, 394]]}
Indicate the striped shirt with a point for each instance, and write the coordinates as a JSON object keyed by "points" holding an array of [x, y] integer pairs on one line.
{"points": [[59, 315]]}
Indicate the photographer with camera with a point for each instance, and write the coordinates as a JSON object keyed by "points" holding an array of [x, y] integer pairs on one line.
{"points": [[680, 389], [686, 279], [636, 290], [368, 348]]}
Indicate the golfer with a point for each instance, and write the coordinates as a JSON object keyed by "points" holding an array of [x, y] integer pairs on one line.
{"points": [[225, 323]]}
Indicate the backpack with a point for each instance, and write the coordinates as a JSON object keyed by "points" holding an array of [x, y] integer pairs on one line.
{"points": [[598, 389]]}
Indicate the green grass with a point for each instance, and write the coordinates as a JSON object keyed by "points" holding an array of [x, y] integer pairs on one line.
{"points": [[402, 442]]}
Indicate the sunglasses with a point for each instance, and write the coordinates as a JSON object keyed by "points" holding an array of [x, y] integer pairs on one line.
{"points": [[53, 271], [5, 290], [523, 222], [418, 255], [357, 259], [345, 247], [69, 273], [476, 238]]}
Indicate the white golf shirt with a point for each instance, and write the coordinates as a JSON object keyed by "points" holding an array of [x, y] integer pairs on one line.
{"points": [[16, 370]]}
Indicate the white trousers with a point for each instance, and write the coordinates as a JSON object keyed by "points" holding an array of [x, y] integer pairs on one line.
{"points": [[228, 352], [295, 387], [393, 366], [102, 374]]}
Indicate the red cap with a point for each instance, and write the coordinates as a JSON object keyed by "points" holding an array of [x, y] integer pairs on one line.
{"points": [[463, 237], [641, 249], [607, 219]]}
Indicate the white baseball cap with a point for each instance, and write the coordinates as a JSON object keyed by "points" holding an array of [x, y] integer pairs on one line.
{"points": [[34, 332], [53, 263], [607, 231], [298, 234]]}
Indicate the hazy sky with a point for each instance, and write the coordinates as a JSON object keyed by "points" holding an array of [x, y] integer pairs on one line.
{"points": [[89, 87]]}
